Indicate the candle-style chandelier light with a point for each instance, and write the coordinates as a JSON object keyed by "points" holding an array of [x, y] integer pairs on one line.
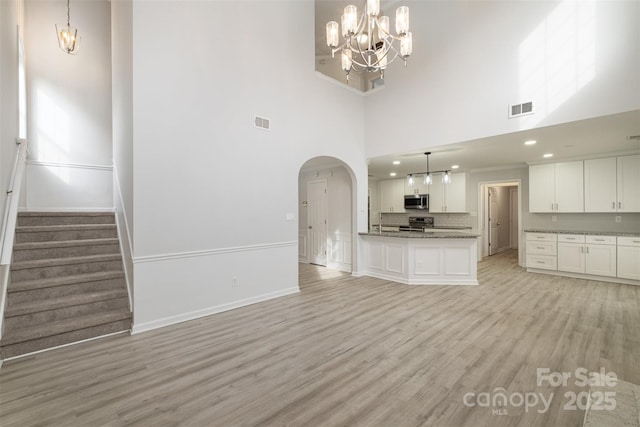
{"points": [[368, 43], [68, 38]]}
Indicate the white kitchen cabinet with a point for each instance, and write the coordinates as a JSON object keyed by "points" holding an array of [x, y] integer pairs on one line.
{"points": [[594, 255], [612, 184], [600, 185], [451, 197], [629, 183], [571, 253], [556, 187], [629, 258], [392, 195], [541, 251], [418, 187]]}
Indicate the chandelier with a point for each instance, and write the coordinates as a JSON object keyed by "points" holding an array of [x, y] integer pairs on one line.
{"points": [[446, 176], [68, 38], [368, 44]]}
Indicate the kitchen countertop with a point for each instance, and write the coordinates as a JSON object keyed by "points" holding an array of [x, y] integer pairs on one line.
{"points": [[593, 233], [422, 234]]}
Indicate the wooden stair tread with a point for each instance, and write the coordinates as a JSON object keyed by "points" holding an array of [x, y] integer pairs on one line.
{"points": [[52, 262], [63, 227], [38, 306], [28, 285], [62, 326], [64, 243]]}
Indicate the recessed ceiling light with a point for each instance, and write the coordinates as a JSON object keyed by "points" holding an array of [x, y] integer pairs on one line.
{"points": [[392, 174], [547, 155], [396, 162], [455, 167], [530, 142]]}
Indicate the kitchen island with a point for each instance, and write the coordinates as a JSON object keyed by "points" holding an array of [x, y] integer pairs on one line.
{"points": [[420, 258]]}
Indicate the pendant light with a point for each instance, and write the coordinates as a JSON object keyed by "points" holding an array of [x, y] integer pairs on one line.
{"points": [[68, 38], [427, 176], [410, 180], [446, 178]]}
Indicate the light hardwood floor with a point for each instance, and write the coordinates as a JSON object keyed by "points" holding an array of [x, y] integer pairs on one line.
{"points": [[345, 351]]}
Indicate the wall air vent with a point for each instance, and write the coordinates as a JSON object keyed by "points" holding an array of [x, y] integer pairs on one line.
{"points": [[523, 109], [261, 123]]}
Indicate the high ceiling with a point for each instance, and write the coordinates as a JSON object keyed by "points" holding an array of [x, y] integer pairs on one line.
{"points": [[581, 139]]}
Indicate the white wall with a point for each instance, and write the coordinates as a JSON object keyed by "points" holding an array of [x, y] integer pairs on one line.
{"points": [[122, 126], [472, 59], [69, 105], [10, 18], [339, 215], [211, 193]]}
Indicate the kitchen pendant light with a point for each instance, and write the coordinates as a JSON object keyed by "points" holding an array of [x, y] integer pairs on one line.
{"points": [[68, 38], [428, 178], [368, 43]]}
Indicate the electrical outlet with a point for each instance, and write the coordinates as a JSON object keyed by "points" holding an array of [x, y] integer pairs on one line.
{"points": [[234, 282], [554, 218], [618, 218]]}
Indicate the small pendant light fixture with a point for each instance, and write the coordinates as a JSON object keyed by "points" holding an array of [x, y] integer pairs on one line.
{"points": [[410, 180], [427, 176], [68, 38]]}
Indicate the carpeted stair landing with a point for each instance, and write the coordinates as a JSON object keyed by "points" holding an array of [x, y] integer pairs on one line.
{"points": [[67, 282]]}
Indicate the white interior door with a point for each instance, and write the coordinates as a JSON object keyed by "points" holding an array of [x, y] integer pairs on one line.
{"points": [[317, 221], [513, 217], [493, 222]]}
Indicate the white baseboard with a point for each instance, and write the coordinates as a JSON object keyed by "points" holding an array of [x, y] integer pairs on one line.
{"points": [[585, 276], [167, 321]]}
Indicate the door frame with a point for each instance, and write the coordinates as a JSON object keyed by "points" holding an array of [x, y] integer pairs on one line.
{"points": [[483, 188], [325, 214]]}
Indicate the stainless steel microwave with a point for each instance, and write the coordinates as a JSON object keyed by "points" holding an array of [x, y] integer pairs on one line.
{"points": [[417, 201]]}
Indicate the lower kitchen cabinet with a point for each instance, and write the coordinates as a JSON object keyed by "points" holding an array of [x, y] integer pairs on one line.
{"points": [[587, 254], [629, 258]]}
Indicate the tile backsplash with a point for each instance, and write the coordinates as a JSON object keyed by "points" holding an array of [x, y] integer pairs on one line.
{"points": [[439, 219]]}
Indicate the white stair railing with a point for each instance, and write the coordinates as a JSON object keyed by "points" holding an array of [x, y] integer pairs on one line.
{"points": [[9, 222]]}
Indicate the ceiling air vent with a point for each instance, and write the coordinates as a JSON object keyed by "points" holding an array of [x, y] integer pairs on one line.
{"points": [[523, 109], [261, 123]]}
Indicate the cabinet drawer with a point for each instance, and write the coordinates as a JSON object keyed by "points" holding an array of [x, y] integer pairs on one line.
{"points": [[629, 241], [541, 237], [544, 262], [571, 238], [602, 240], [541, 248]]}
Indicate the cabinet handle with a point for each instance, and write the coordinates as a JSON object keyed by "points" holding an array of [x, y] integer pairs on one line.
{"points": [[619, 205], [587, 250], [540, 262], [552, 204], [599, 240], [539, 247], [613, 205]]}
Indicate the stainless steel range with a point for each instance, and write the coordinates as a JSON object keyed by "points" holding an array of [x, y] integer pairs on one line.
{"points": [[418, 223]]}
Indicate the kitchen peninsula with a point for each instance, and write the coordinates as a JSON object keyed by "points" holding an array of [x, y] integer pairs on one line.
{"points": [[421, 258]]}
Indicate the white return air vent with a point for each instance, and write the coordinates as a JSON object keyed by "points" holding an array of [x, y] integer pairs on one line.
{"points": [[518, 110], [261, 123]]}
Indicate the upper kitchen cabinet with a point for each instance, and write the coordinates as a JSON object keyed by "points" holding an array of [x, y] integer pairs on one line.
{"points": [[451, 197], [629, 183], [418, 187], [556, 187], [612, 184], [392, 195]]}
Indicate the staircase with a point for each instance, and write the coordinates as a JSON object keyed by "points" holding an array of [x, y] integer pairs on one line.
{"points": [[67, 282]]}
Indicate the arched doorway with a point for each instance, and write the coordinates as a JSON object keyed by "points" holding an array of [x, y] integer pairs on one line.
{"points": [[326, 207]]}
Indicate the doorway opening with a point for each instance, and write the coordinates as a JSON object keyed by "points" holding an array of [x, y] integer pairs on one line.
{"points": [[326, 214], [499, 219]]}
